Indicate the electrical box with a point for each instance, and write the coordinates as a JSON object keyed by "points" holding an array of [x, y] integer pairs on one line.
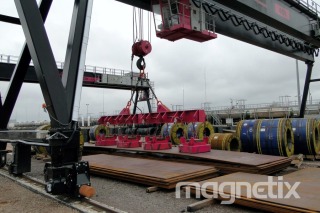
{"points": [[21, 162], [177, 19]]}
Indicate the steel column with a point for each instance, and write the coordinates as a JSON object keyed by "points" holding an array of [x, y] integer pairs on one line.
{"points": [[19, 74], [315, 80], [3, 146], [71, 66], [306, 88], [135, 102], [43, 59], [16, 82], [148, 100], [9, 19]]}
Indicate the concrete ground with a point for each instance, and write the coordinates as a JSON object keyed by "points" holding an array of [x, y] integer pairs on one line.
{"points": [[123, 195]]}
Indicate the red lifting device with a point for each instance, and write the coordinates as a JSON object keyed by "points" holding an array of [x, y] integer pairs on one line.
{"points": [[194, 146], [187, 116], [102, 140], [155, 143], [128, 142]]}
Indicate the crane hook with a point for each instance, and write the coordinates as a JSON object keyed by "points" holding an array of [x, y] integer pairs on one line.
{"points": [[141, 64]]}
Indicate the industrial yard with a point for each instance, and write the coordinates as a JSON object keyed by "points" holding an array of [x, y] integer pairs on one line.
{"points": [[156, 153], [125, 195]]}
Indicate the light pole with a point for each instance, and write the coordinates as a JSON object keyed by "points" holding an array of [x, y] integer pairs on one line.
{"points": [[183, 97], [103, 101], [287, 99], [87, 109], [298, 83]]}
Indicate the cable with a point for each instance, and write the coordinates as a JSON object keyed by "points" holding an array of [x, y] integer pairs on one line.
{"points": [[237, 21], [53, 118], [149, 26]]}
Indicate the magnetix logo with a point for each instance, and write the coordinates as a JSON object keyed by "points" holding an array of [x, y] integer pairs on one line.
{"points": [[229, 191]]}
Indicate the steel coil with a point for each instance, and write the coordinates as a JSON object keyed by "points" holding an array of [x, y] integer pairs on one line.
{"points": [[306, 136], [96, 130], [275, 137], [200, 129], [85, 133], [246, 132], [146, 131], [174, 131], [42, 149], [81, 141], [117, 130], [130, 131], [225, 141], [45, 150]]}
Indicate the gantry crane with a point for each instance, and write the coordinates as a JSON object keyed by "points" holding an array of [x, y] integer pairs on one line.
{"points": [[289, 27]]}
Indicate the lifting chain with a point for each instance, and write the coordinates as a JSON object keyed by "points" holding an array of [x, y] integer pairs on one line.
{"points": [[237, 21]]}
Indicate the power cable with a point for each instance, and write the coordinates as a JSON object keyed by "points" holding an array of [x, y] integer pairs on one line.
{"points": [[237, 21]]}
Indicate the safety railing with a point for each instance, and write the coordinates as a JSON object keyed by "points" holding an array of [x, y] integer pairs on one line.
{"points": [[88, 68], [310, 5]]}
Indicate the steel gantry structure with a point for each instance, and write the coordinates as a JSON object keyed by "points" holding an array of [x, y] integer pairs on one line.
{"points": [[288, 27], [65, 173]]}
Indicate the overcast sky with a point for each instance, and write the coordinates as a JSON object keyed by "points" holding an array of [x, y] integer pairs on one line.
{"points": [[233, 69]]}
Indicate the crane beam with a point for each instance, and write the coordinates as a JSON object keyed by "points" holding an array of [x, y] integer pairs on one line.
{"points": [[286, 16], [288, 27]]}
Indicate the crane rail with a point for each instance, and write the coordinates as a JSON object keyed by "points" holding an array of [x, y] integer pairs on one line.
{"points": [[81, 205]]}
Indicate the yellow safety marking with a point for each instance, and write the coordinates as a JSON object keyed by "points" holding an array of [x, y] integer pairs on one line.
{"points": [[279, 138], [308, 135], [258, 136]]}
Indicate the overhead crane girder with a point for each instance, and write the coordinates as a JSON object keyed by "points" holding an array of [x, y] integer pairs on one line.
{"points": [[287, 18], [288, 27]]}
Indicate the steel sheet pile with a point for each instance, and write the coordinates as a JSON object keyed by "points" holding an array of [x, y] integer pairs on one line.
{"points": [[162, 174], [227, 162], [307, 190]]}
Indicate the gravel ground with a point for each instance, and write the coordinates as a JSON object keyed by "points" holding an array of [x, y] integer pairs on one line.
{"points": [[123, 195], [132, 197], [16, 198]]}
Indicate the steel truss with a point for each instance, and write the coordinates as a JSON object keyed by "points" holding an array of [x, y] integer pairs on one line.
{"points": [[65, 173]]}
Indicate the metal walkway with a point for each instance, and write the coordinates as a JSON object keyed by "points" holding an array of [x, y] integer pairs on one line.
{"points": [[262, 110], [94, 76]]}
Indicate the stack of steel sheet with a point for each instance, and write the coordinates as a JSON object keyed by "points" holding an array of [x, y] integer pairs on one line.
{"points": [[225, 161], [162, 174], [310, 174], [279, 199]]}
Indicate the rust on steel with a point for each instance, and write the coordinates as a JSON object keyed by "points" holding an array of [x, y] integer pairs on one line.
{"points": [[225, 161], [87, 191], [163, 174], [307, 190]]}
